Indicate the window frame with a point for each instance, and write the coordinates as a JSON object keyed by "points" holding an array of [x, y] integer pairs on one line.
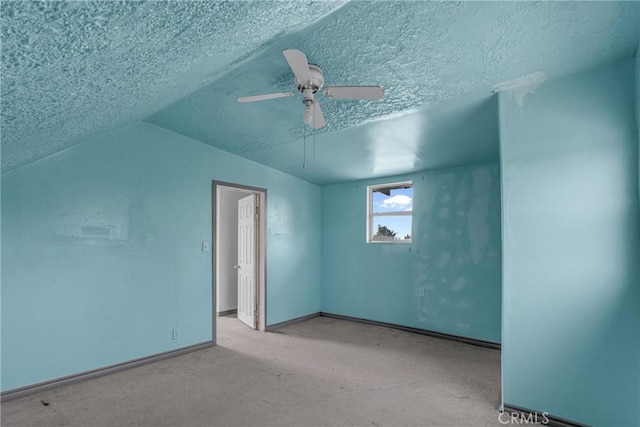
{"points": [[371, 214]]}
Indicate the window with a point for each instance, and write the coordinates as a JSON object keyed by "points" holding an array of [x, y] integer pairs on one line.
{"points": [[389, 212]]}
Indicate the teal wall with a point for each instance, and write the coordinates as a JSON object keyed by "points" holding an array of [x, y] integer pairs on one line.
{"points": [[570, 250], [448, 280], [637, 68], [101, 251]]}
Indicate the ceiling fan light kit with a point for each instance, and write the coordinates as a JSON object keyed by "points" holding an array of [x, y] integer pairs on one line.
{"points": [[309, 79]]}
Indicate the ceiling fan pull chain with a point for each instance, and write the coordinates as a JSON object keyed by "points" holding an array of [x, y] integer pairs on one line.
{"points": [[314, 131], [304, 148]]}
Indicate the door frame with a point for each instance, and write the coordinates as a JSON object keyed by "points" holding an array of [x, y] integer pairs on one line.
{"points": [[261, 246]]}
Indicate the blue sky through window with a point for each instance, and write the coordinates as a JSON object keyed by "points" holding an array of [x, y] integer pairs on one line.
{"points": [[399, 200]]}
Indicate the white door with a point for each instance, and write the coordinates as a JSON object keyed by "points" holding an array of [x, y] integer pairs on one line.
{"points": [[247, 260]]}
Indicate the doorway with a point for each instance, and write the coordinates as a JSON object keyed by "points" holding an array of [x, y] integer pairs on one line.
{"points": [[239, 253]]}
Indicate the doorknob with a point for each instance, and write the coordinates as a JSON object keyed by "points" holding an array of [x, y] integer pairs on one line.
{"points": [[237, 267]]}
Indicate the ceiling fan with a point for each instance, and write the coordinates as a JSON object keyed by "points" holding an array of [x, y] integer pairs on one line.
{"points": [[308, 79]]}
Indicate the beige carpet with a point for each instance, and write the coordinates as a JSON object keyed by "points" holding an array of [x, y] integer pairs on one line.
{"points": [[320, 372]]}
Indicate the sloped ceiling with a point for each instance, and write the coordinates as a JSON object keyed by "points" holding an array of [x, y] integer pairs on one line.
{"points": [[72, 70]]}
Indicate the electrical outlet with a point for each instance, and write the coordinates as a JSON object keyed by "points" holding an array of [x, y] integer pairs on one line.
{"points": [[175, 334], [420, 292]]}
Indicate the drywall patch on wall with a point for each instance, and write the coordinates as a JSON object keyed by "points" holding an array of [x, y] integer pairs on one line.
{"points": [[447, 280], [467, 237], [478, 225], [520, 87], [100, 216]]}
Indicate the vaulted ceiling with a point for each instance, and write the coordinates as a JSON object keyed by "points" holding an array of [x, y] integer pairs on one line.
{"points": [[72, 70]]}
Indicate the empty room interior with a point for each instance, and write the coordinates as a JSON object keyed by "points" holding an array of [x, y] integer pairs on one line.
{"points": [[320, 213]]}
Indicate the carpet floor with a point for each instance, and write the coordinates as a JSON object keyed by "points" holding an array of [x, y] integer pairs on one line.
{"points": [[319, 372]]}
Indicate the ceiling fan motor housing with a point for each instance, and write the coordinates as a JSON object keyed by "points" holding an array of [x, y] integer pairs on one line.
{"points": [[317, 80]]}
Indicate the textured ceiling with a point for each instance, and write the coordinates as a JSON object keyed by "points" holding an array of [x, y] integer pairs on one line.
{"points": [[422, 54], [460, 131], [73, 70]]}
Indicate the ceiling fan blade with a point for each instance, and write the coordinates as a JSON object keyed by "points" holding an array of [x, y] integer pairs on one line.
{"points": [[299, 65], [265, 97], [370, 93], [313, 115]]}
